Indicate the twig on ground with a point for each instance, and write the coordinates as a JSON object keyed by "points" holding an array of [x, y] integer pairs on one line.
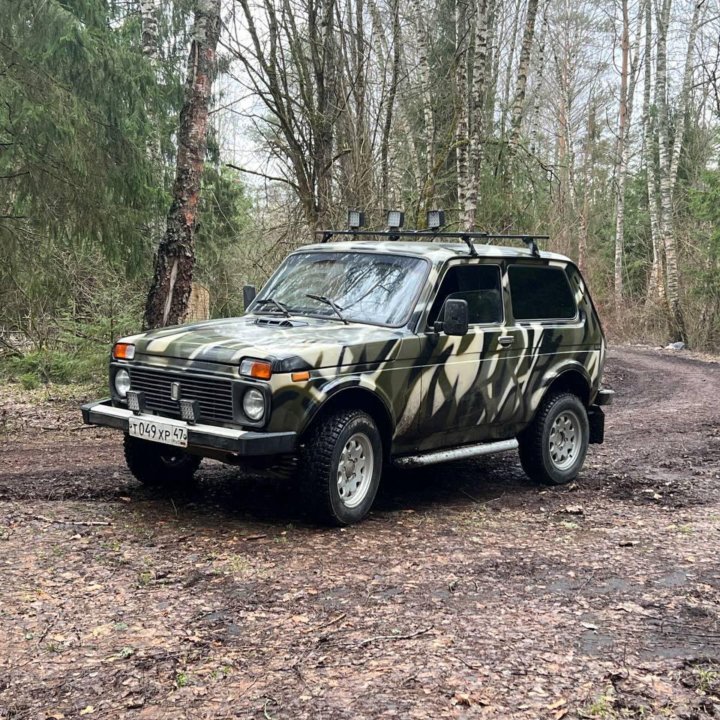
{"points": [[268, 700], [59, 521], [47, 629], [408, 636], [340, 617], [481, 502]]}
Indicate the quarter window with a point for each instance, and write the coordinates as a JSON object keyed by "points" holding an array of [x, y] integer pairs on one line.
{"points": [[479, 286], [540, 292]]}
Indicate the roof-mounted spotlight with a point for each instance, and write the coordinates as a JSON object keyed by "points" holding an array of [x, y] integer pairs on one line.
{"points": [[435, 219], [356, 219], [395, 219]]}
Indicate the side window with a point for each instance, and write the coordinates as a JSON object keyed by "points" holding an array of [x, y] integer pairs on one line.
{"points": [[479, 285], [540, 292]]}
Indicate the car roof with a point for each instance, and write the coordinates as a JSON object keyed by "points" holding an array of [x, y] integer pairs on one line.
{"points": [[434, 251]]}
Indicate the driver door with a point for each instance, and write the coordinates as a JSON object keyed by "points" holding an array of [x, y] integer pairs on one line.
{"points": [[467, 386]]}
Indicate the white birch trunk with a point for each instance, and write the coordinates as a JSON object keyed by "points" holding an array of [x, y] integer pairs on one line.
{"points": [[461, 99], [479, 92], [628, 82], [522, 76]]}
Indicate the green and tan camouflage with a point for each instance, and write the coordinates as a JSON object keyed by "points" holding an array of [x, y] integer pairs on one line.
{"points": [[425, 389]]}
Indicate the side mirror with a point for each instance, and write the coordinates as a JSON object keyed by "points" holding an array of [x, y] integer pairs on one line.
{"points": [[249, 293], [455, 317]]}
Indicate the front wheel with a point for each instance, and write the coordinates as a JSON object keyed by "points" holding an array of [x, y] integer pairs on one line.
{"points": [[553, 447], [156, 464], [341, 465]]}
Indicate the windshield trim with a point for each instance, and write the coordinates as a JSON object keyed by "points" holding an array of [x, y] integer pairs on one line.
{"points": [[334, 318]]}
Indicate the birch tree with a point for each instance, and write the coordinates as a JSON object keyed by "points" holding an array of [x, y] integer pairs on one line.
{"points": [[628, 79], [175, 258], [669, 150]]}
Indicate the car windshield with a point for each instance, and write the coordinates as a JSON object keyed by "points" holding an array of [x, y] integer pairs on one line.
{"points": [[365, 287]]}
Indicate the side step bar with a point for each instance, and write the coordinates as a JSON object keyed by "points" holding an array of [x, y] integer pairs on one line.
{"points": [[458, 453]]}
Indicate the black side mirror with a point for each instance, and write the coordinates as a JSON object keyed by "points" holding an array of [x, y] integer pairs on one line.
{"points": [[249, 293], [455, 317]]}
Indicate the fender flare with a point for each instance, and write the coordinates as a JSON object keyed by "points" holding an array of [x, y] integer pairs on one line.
{"points": [[344, 384]]}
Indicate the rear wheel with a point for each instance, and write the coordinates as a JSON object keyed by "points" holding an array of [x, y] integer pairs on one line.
{"points": [[341, 465], [553, 447], [156, 464]]}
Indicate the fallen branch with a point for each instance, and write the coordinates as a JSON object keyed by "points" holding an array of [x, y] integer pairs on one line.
{"points": [[90, 523], [409, 636]]}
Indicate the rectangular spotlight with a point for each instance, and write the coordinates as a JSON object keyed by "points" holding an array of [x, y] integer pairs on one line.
{"points": [[395, 219], [356, 219], [190, 411], [135, 401], [435, 219]]}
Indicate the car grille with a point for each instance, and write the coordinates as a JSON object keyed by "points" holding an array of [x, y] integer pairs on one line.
{"points": [[214, 395]]}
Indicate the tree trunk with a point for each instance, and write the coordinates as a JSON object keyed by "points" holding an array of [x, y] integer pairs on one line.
{"points": [[656, 283], [522, 76], [477, 117], [462, 102], [428, 193], [175, 259], [669, 158], [390, 107], [628, 81], [621, 157]]}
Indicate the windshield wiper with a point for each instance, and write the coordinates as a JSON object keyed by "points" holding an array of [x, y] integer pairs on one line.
{"points": [[328, 301], [282, 307]]}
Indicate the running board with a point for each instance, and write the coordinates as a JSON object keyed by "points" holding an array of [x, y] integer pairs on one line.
{"points": [[458, 453]]}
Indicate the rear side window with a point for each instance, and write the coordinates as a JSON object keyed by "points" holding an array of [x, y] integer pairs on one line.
{"points": [[479, 286], [540, 292]]}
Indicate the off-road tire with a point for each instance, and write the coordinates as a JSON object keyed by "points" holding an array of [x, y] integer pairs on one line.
{"points": [[320, 458], [535, 446], [159, 465]]}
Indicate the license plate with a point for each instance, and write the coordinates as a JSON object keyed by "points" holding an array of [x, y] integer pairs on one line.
{"points": [[158, 432]]}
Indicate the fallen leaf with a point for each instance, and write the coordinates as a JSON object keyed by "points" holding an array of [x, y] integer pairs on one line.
{"points": [[88, 710], [462, 699]]}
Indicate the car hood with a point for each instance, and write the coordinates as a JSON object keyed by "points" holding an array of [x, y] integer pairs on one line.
{"points": [[293, 343]]}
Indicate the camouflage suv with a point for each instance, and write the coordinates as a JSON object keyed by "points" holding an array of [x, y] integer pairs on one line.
{"points": [[363, 353]]}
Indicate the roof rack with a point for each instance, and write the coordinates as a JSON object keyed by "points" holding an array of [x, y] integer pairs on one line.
{"points": [[466, 237]]}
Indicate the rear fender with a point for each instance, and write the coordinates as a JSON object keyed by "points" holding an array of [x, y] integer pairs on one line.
{"points": [[571, 376]]}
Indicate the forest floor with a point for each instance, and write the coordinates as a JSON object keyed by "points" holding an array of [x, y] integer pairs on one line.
{"points": [[468, 593]]}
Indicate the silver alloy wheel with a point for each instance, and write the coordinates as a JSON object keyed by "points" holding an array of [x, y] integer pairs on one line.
{"points": [[566, 439], [355, 470]]}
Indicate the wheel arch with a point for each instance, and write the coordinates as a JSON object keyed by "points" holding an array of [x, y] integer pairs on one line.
{"points": [[573, 378], [356, 396]]}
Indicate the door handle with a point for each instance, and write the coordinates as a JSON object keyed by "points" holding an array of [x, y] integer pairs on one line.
{"points": [[506, 341]]}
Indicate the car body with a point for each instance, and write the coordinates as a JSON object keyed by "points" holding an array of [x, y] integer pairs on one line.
{"points": [[528, 332]]}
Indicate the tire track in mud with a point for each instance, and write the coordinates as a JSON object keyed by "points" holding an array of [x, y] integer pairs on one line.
{"points": [[662, 442]]}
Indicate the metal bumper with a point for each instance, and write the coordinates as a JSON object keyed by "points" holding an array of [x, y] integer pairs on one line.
{"points": [[241, 442]]}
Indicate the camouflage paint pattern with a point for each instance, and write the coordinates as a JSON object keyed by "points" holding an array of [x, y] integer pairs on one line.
{"points": [[436, 390]]}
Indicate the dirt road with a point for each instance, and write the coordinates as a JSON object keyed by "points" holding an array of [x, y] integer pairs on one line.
{"points": [[469, 592]]}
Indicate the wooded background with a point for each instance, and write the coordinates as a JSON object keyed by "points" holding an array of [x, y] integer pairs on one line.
{"points": [[593, 122]]}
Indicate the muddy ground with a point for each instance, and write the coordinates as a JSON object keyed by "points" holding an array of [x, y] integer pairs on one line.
{"points": [[469, 592]]}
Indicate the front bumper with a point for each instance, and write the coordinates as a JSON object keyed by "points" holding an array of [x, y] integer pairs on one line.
{"points": [[240, 442]]}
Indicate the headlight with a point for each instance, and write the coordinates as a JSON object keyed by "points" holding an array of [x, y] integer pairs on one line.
{"points": [[254, 404], [122, 382]]}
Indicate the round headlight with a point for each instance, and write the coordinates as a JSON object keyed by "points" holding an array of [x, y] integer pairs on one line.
{"points": [[254, 404], [122, 382]]}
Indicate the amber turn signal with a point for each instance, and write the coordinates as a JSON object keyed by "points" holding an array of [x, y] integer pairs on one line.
{"points": [[260, 369], [123, 351], [300, 376]]}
